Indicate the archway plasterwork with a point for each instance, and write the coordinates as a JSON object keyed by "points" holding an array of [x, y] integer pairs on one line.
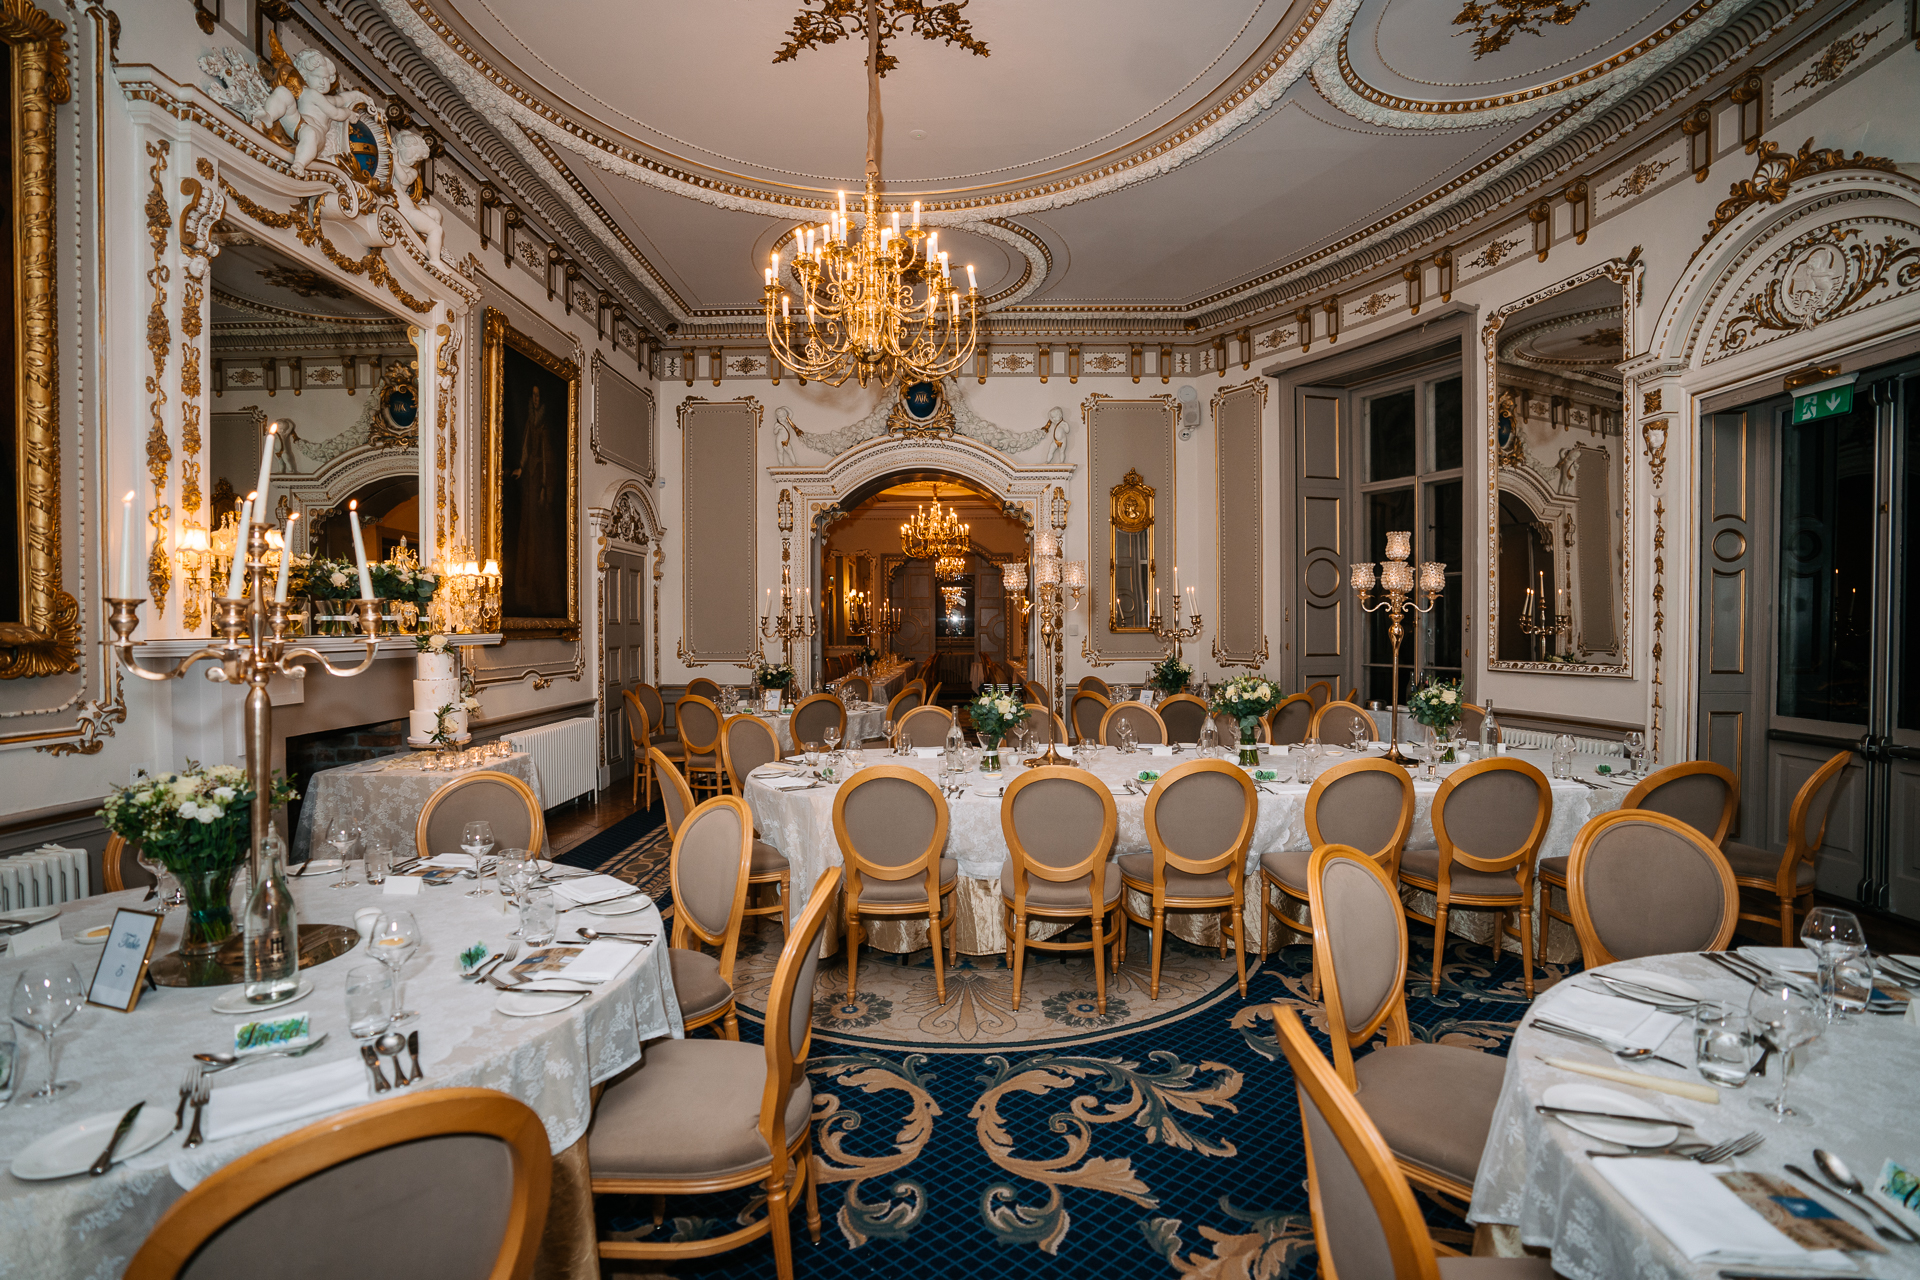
{"points": [[348, 474]]}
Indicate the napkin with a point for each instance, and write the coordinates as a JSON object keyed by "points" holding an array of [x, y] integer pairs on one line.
{"points": [[590, 889], [44, 936], [1159, 749], [929, 753], [283, 1099], [1706, 1221], [1618, 1021], [1796, 960], [601, 960], [458, 861], [791, 782]]}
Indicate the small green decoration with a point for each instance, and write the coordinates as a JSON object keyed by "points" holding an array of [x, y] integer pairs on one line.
{"points": [[472, 956], [1149, 775], [442, 736], [1605, 768]]}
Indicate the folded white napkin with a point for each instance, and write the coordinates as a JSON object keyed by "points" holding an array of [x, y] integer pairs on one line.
{"points": [[1622, 1022], [602, 960], [1159, 749], [459, 861], [589, 889], [789, 782], [990, 793], [1783, 959], [283, 1099], [929, 753], [1704, 1220]]}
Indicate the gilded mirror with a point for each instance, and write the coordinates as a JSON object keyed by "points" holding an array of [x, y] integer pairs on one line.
{"points": [[1130, 564], [1558, 503]]}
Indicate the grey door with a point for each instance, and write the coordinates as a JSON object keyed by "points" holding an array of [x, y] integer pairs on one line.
{"points": [[1324, 635], [623, 638]]}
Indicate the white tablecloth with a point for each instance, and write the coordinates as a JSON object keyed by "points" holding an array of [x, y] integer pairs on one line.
{"points": [[863, 723], [1856, 1084], [384, 797], [91, 1227], [800, 823]]}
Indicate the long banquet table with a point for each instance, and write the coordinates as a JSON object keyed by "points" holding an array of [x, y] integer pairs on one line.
{"points": [[86, 1226], [800, 825]]}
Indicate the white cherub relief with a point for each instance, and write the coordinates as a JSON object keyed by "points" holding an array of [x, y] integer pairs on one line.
{"points": [[1058, 430], [301, 102], [783, 430], [410, 151], [1568, 467]]}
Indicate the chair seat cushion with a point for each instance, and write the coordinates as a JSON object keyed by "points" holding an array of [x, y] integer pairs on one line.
{"points": [[1555, 867], [697, 983], [895, 893], [1288, 866], [1422, 868], [1057, 895], [702, 762], [691, 1109], [1495, 1269], [672, 749], [1433, 1103], [1750, 863], [1138, 869], [766, 859]]}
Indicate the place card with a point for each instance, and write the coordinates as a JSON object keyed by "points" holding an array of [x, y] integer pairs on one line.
{"points": [[120, 975], [260, 1035], [544, 960], [403, 886], [1160, 749], [44, 936]]}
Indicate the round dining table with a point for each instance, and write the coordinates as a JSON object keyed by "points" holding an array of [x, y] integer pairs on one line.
{"points": [[91, 1226], [864, 720], [799, 823], [1854, 1086]]}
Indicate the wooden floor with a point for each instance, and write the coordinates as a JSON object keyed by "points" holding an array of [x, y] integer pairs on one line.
{"points": [[578, 821]]}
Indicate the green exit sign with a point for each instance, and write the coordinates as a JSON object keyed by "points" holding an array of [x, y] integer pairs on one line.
{"points": [[1823, 402]]}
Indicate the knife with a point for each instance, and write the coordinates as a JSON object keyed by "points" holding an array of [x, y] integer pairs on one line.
{"points": [[105, 1162], [372, 1060], [1610, 1115], [413, 1047]]}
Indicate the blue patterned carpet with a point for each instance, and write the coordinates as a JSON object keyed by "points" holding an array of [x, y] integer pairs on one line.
{"points": [[1171, 1151]]}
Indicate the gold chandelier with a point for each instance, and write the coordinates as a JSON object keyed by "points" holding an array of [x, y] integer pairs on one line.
{"points": [[862, 317], [935, 535], [950, 568]]}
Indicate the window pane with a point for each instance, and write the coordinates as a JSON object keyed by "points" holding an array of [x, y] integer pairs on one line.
{"points": [[1390, 436], [1443, 539], [1448, 446], [1907, 652], [1827, 511], [1391, 509]]}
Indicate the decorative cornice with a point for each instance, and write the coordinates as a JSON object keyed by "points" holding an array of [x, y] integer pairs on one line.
{"points": [[1775, 173]]}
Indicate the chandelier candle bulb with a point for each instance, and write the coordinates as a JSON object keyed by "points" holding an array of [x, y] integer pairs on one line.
{"points": [[125, 580], [971, 286], [359, 550], [266, 469], [237, 576], [286, 560], [1433, 576], [916, 214], [896, 222], [1076, 574]]}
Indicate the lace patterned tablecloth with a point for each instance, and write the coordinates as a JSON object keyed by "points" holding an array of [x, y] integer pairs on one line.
{"points": [[383, 798], [1854, 1082], [90, 1227], [863, 723], [800, 825]]}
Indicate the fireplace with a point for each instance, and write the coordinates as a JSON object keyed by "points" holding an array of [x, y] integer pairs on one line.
{"points": [[309, 753]]}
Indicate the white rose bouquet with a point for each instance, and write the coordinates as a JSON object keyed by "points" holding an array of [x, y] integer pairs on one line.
{"points": [[1438, 706], [1170, 676], [773, 675], [995, 711], [1247, 699]]}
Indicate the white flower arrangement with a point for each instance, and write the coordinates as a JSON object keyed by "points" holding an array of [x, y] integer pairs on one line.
{"points": [[1437, 705], [994, 711]]}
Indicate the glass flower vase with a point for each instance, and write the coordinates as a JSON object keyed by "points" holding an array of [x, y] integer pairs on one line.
{"points": [[1250, 742], [209, 895], [990, 761]]}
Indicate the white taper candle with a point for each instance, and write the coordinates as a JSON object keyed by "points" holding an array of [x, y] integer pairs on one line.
{"points": [[266, 471], [286, 560], [127, 555], [237, 577], [359, 551]]}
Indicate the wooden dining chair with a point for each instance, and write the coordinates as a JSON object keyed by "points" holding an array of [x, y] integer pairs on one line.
{"points": [[1183, 716], [816, 714], [699, 1116], [891, 824], [1363, 804], [656, 707], [924, 726], [1199, 821], [747, 742], [1085, 712], [699, 721], [1700, 793], [1059, 823], [1094, 684], [933, 696], [371, 1182], [1320, 693], [701, 687], [1789, 875], [1291, 721], [1145, 722], [1046, 727], [1333, 724], [902, 702], [857, 687], [1226, 729], [712, 858], [1471, 718], [1489, 818], [506, 803], [640, 732], [1644, 884], [1366, 1221], [120, 867], [1034, 693], [1433, 1103]]}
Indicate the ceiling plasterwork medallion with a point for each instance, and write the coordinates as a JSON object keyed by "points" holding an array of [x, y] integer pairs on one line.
{"points": [[1494, 24]]}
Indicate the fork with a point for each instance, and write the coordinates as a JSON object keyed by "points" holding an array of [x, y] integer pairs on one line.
{"points": [[187, 1086], [1706, 1155], [201, 1091]]}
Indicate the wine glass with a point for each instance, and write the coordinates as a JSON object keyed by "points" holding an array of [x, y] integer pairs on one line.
{"points": [[1126, 738], [475, 840], [1837, 941], [44, 997], [886, 731], [394, 938], [1783, 1017], [152, 867], [831, 736], [1636, 743], [342, 836], [1359, 736]]}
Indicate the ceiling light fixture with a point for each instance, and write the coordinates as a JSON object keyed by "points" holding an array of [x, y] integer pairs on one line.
{"points": [[936, 535]]}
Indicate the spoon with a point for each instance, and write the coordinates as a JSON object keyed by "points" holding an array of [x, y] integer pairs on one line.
{"points": [[1836, 1169], [593, 934], [222, 1061], [389, 1046]]}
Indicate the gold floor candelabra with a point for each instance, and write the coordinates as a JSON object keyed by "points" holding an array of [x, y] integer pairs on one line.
{"points": [[1057, 586], [1397, 599]]}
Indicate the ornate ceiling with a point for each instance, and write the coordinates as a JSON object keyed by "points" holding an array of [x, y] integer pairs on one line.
{"points": [[1123, 161]]}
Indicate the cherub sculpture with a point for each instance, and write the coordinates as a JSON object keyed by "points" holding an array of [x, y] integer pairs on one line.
{"points": [[783, 429], [410, 151], [1058, 429], [301, 103]]}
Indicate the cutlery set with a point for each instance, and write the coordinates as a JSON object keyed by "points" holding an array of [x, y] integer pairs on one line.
{"points": [[1626, 1055], [390, 1045], [1704, 1155]]}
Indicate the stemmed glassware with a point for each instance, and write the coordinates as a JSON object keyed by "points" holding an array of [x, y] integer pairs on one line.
{"points": [[343, 836], [886, 731], [476, 839], [44, 997], [831, 736], [1784, 1018], [394, 938], [1636, 744], [1835, 937], [163, 882], [1359, 737]]}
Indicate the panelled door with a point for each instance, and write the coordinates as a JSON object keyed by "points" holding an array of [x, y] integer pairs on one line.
{"points": [[623, 638], [1323, 640]]}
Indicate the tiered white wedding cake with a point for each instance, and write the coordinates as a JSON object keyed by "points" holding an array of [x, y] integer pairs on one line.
{"points": [[435, 685]]}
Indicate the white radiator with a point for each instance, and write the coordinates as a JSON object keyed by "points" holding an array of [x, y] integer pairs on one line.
{"points": [[564, 758], [49, 875]]}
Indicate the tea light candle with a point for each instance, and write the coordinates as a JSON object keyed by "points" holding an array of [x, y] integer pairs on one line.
{"points": [[359, 551], [237, 578], [286, 559], [127, 558]]}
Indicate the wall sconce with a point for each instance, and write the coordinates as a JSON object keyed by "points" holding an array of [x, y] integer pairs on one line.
{"points": [[194, 563]]}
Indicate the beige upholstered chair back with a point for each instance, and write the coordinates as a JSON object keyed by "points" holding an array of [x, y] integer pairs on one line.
{"points": [[902, 702], [1642, 884], [701, 687], [655, 706], [1094, 684], [1359, 938], [711, 857], [817, 714], [747, 742], [1700, 793], [1292, 720], [502, 799], [675, 795], [1470, 720], [1366, 804], [857, 687], [120, 866], [789, 1032], [891, 822], [925, 726], [1142, 719], [1813, 806], [639, 722], [1045, 726], [699, 721], [1226, 729], [1333, 724], [1492, 814], [1320, 693], [1034, 693], [1200, 819], [1182, 714], [1059, 823], [1085, 712]]}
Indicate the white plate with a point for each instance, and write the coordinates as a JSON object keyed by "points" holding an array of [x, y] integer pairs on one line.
{"points": [[235, 1001], [1589, 1097], [317, 867], [93, 937], [71, 1149], [623, 907], [1678, 988], [519, 1004], [32, 916]]}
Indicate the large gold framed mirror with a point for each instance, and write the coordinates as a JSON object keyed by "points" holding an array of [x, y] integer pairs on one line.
{"points": [[1560, 474], [1130, 564]]}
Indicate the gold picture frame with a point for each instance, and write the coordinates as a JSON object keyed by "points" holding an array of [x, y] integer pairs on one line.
{"points": [[40, 625], [514, 370]]}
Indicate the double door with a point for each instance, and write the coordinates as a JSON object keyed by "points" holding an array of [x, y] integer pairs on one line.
{"points": [[623, 635]]}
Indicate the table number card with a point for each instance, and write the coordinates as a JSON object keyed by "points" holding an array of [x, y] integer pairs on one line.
{"points": [[121, 973]]}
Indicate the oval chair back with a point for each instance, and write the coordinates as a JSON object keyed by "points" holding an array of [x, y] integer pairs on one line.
{"points": [[1059, 824], [891, 824], [1365, 805], [640, 737], [507, 803], [1094, 684], [701, 687], [1642, 884], [747, 742], [859, 687], [1333, 724], [925, 726], [1046, 727], [1199, 820], [656, 708], [919, 685], [1182, 715], [699, 721], [1470, 720], [789, 1017], [1359, 950], [712, 855], [1034, 693], [120, 866], [676, 797], [1320, 693], [901, 703], [1489, 817], [1085, 714], [1226, 729], [1700, 793], [1145, 722], [1291, 721], [817, 714]]}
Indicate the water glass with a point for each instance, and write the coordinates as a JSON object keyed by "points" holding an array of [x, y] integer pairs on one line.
{"points": [[1723, 1047], [378, 861], [810, 752], [539, 916], [1846, 980], [369, 1000], [1784, 1017], [1126, 739], [1835, 937], [394, 938], [1563, 756], [9, 1054], [1636, 744]]}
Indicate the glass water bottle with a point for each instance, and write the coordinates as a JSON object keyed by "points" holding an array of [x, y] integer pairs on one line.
{"points": [[271, 968]]}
